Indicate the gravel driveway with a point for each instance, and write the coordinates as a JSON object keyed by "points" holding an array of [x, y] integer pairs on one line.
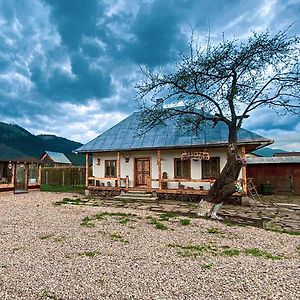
{"points": [[78, 252]]}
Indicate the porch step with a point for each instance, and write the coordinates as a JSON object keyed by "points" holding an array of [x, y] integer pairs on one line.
{"points": [[136, 196]]}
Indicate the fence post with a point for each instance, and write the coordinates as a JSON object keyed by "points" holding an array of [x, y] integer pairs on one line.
{"points": [[63, 178], [46, 177]]}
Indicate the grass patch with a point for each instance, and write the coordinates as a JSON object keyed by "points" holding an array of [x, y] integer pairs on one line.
{"points": [[87, 222], [290, 232], [167, 216], [157, 224], [231, 252], [260, 253], [119, 238], [191, 250], [126, 220], [207, 266], [123, 218], [62, 189], [185, 222], [89, 253], [76, 201], [214, 230], [46, 237]]}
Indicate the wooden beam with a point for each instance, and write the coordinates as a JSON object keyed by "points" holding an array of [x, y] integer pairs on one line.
{"points": [[118, 169], [13, 179], [40, 175], [244, 175], [159, 169], [86, 169]]}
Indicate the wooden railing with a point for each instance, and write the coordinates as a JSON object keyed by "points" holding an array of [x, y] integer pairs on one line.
{"points": [[98, 181]]}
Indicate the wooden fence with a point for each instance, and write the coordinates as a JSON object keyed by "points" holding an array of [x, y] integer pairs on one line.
{"points": [[74, 176]]}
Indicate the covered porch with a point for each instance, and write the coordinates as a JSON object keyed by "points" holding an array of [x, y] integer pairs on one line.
{"points": [[161, 184]]}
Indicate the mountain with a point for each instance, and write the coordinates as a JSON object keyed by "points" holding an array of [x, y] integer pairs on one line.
{"points": [[268, 152], [20, 139]]}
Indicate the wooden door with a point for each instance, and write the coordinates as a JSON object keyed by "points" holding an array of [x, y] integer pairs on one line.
{"points": [[142, 172]]}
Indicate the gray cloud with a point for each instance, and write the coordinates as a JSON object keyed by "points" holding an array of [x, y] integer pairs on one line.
{"points": [[62, 62]]}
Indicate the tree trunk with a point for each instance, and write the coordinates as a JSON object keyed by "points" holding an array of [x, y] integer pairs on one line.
{"points": [[224, 186]]}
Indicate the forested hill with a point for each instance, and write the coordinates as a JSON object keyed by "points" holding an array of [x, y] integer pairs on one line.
{"points": [[22, 140]]}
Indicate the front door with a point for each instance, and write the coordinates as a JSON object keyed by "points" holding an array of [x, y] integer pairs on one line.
{"points": [[20, 181], [142, 172]]}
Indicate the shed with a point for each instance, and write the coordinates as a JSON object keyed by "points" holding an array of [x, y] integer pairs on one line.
{"points": [[18, 171], [55, 159], [283, 173]]}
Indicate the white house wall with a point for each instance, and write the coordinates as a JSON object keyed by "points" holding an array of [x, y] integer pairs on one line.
{"points": [[127, 169]]}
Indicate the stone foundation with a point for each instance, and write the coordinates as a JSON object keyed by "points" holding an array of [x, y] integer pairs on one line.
{"points": [[104, 194]]}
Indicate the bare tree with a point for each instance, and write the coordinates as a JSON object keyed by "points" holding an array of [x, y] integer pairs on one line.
{"points": [[225, 83]]}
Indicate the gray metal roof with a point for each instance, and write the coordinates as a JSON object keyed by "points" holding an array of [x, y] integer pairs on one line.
{"points": [[125, 136], [9, 154], [58, 157], [274, 160]]}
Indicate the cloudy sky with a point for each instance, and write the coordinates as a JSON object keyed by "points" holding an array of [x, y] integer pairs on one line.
{"points": [[68, 67]]}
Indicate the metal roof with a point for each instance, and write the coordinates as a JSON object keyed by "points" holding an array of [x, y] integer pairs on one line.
{"points": [[58, 157], [10, 154], [274, 160], [125, 136]]}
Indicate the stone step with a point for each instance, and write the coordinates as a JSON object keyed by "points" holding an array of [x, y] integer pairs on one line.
{"points": [[133, 198], [138, 192], [137, 195]]}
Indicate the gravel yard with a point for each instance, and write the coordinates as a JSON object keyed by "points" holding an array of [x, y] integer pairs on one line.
{"points": [[83, 252]]}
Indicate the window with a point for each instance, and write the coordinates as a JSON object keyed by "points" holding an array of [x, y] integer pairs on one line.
{"points": [[110, 168], [211, 168], [5, 173], [33, 173], [182, 168]]}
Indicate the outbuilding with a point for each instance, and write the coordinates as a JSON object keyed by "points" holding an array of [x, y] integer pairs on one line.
{"points": [[282, 173], [19, 173], [55, 159]]}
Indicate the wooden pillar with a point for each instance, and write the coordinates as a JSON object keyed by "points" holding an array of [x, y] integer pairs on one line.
{"points": [[118, 169], [244, 175], [40, 175], [86, 169], [159, 168], [13, 174]]}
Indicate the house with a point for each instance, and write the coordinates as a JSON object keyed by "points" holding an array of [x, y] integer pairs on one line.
{"points": [[55, 159], [165, 159], [18, 172], [281, 172]]}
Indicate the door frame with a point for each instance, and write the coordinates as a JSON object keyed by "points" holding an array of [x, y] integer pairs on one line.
{"points": [[135, 172], [25, 178]]}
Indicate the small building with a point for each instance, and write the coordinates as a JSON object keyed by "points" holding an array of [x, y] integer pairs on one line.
{"points": [[165, 159], [282, 173], [55, 159], [18, 172]]}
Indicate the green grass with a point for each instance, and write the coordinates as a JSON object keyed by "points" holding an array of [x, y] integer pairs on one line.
{"points": [[89, 253], [157, 224], [231, 252], [167, 216], [207, 266], [76, 201], [214, 230], [185, 222], [192, 250], [118, 237], [261, 253], [122, 218], [290, 232], [46, 237], [62, 189]]}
